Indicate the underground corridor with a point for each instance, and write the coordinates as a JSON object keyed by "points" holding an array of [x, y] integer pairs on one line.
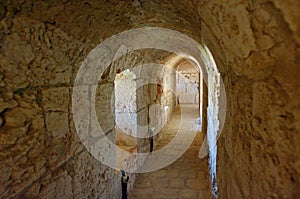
{"points": [[186, 177], [147, 99]]}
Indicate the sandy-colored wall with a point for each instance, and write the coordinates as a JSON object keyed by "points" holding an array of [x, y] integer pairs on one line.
{"points": [[187, 84], [256, 47]]}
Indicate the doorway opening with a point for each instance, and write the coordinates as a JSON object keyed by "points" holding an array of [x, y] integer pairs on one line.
{"points": [[189, 88], [126, 111]]}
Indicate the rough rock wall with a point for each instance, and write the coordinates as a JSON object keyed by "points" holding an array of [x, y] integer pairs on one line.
{"points": [[37, 134], [187, 84], [156, 98], [125, 107], [256, 46], [41, 154]]}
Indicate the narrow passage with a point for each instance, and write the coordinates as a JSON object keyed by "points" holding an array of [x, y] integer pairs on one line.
{"points": [[187, 177]]}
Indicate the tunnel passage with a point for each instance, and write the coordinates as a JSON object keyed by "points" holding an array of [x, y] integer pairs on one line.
{"points": [[255, 45], [188, 93]]}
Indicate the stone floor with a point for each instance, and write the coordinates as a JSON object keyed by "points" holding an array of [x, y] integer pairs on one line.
{"points": [[187, 177]]}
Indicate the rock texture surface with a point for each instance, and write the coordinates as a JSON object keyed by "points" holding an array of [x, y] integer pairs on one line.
{"points": [[256, 45], [185, 178], [187, 84]]}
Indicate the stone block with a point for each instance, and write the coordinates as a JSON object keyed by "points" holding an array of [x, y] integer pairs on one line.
{"points": [[141, 99], [57, 185], [17, 117], [187, 99], [191, 88], [103, 99], [56, 99], [57, 124], [96, 177]]}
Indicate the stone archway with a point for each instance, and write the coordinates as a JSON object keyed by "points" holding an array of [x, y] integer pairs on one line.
{"points": [[254, 43]]}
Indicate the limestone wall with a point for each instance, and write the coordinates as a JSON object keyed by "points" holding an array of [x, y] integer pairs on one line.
{"points": [[126, 107], [41, 154], [156, 100], [187, 84], [256, 47]]}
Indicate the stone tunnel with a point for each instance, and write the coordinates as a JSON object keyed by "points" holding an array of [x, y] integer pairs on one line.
{"points": [[246, 145]]}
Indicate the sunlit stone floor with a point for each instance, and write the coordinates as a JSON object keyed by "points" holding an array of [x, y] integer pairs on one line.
{"points": [[187, 177]]}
